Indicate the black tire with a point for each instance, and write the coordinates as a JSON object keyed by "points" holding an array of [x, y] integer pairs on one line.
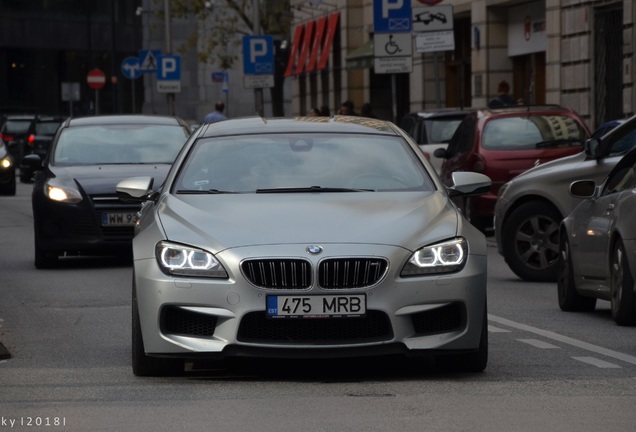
{"points": [[26, 176], [143, 365], [9, 188], [623, 299], [44, 259], [473, 362], [530, 241], [569, 299], [482, 223]]}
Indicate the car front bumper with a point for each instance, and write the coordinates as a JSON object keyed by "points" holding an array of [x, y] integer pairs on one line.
{"points": [[198, 317]]}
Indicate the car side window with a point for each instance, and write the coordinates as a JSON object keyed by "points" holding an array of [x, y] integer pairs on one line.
{"points": [[463, 138], [624, 143], [408, 124]]}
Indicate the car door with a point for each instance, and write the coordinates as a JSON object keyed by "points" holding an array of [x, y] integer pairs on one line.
{"points": [[598, 218]]}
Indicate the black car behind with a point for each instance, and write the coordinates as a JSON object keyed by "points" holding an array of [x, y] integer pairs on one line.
{"points": [[75, 207]]}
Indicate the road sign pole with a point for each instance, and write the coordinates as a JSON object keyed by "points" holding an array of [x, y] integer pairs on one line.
{"points": [[258, 92], [96, 102]]}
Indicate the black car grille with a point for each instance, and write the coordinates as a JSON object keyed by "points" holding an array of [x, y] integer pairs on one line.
{"points": [[338, 273], [342, 273], [255, 327], [175, 320], [440, 320], [278, 273], [112, 203]]}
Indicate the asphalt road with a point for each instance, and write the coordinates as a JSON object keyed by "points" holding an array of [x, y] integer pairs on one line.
{"points": [[68, 332]]}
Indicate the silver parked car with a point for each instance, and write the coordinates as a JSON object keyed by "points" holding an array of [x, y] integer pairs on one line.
{"points": [[530, 207], [305, 237], [597, 245]]}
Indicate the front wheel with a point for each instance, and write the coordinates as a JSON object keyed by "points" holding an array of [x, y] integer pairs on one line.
{"points": [[530, 241], [142, 364], [473, 362], [622, 298]]}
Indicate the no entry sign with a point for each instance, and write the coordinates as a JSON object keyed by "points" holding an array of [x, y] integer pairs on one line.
{"points": [[96, 79]]}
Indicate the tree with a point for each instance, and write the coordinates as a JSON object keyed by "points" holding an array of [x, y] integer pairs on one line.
{"points": [[221, 23]]}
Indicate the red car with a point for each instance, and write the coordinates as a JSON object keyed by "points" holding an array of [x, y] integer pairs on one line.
{"points": [[503, 143]]}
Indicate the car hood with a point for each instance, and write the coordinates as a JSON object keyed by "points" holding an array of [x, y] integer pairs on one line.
{"points": [[218, 222], [102, 179]]}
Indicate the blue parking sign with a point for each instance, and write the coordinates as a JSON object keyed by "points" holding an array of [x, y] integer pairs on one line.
{"points": [[169, 68], [258, 55], [391, 16]]}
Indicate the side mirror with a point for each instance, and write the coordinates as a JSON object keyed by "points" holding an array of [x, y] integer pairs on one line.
{"points": [[469, 183], [32, 162], [440, 153], [592, 148], [583, 189], [136, 189]]}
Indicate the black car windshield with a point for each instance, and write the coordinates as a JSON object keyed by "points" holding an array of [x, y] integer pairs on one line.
{"points": [[119, 144], [294, 163], [531, 132]]}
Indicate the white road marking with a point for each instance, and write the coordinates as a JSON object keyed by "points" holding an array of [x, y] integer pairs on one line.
{"points": [[565, 339], [493, 329], [597, 362], [538, 344]]}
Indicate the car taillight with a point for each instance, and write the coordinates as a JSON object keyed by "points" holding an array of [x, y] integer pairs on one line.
{"points": [[6, 138], [31, 140]]}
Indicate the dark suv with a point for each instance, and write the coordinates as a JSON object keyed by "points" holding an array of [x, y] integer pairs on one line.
{"points": [[502, 143]]}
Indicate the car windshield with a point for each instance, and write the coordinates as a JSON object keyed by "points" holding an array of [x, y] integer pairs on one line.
{"points": [[290, 163], [531, 132], [16, 126], [119, 144], [47, 127], [441, 130]]}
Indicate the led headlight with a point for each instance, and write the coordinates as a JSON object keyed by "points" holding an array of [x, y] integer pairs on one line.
{"points": [[62, 193], [5, 163], [447, 257], [180, 260]]}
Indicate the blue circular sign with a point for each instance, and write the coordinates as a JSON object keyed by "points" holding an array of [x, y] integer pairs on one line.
{"points": [[131, 68]]}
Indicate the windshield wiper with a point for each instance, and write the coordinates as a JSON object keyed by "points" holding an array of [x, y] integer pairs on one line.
{"points": [[558, 143], [310, 189], [203, 192]]}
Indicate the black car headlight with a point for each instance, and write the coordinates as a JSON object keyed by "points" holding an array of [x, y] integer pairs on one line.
{"points": [[446, 257], [6, 163], [62, 192], [179, 260]]}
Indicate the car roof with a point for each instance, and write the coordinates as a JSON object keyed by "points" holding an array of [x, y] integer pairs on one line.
{"points": [[443, 112], [124, 119], [335, 124], [520, 109]]}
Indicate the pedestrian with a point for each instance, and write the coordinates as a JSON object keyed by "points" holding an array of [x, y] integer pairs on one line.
{"points": [[503, 98], [314, 112], [216, 115], [346, 108]]}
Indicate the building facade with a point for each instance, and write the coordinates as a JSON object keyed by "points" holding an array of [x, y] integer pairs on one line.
{"points": [[575, 53]]}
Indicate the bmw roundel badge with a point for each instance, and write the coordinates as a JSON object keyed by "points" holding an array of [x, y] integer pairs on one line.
{"points": [[314, 250]]}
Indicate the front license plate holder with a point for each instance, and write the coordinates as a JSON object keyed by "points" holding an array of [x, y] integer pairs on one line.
{"points": [[119, 218], [316, 306]]}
